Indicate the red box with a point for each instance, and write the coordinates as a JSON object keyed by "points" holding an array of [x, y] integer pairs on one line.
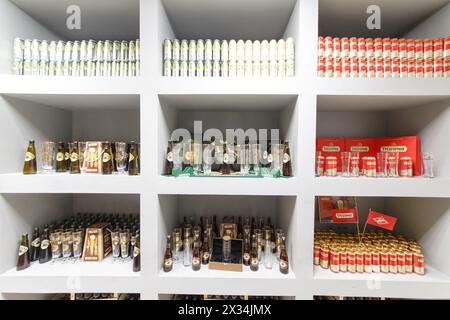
{"points": [[331, 148], [365, 147], [406, 147]]}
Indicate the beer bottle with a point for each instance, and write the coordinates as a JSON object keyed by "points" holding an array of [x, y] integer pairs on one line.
{"points": [[196, 259], [226, 167], [133, 164], [74, 158], [107, 160], [35, 245], [30, 166], [240, 231], [246, 257], [205, 249], [287, 165], [254, 262], [133, 240], [168, 261], [284, 262], [215, 229], [137, 255], [169, 159], [67, 156], [45, 254], [188, 154], [61, 165], [23, 260], [113, 152]]}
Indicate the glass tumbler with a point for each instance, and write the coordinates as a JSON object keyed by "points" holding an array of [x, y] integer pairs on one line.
{"points": [[48, 156], [382, 158], [392, 164], [345, 163]]}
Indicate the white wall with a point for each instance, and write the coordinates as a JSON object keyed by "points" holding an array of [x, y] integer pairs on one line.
{"points": [[436, 26]]}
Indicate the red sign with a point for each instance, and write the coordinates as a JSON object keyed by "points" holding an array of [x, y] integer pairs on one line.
{"points": [[381, 220], [345, 216]]}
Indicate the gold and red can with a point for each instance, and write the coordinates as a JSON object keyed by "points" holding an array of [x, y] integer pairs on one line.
{"points": [[370, 48], [419, 263], [363, 68], [334, 261], [371, 68], [354, 166], [447, 48], [401, 262], [429, 68], [411, 68], [395, 68], [378, 46], [351, 261], [321, 68], [419, 48], [354, 68], [362, 49], [328, 47], [329, 67], [384, 262], [324, 257], [345, 47], [420, 68], [346, 67], [353, 48], [406, 167], [428, 49], [343, 261], [409, 262], [410, 49], [447, 68], [402, 48], [393, 266], [321, 47], [371, 167], [368, 262], [331, 166], [359, 257], [438, 69], [387, 68], [387, 48], [337, 48], [438, 52], [395, 50], [404, 68], [316, 254], [320, 163], [379, 68], [337, 68], [375, 261]]}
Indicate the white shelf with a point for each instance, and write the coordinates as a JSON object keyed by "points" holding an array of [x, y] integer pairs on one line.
{"points": [[68, 183], [228, 186], [105, 276], [184, 280], [433, 284], [382, 187]]}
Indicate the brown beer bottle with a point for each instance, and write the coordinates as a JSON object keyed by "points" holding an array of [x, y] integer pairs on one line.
{"points": [[67, 156], [133, 163], [107, 159], [61, 165], [284, 262], [287, 164], [35, 245], [246, 256], [45, 254], [168, 166], [137, 255], [254, 262], [30, 166], [226, 166], [74, 158], [168, 260], [196, 259], [23, 260], [205, 249]]}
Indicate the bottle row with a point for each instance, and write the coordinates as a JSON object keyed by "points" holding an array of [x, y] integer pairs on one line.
{"points": [[84, 157], [228, 246], [386, 157], [96, 296], [86, 237], [223, 297], [207, 58], [78, 58], [383, 58], [374, 253], [259, 159]]}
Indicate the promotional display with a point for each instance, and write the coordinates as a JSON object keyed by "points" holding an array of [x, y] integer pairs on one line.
{"points": [[338, 209]]}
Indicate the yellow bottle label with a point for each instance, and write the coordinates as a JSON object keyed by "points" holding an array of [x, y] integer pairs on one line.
{"points": [[29, 156], [131, 157], [106, 157], [22, 250], [74, 157], [286, 158], [60, 156]]}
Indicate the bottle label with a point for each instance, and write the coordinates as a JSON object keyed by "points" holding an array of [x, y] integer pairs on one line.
{"points": [[246, 257], [226, 158], [74, 157], [265, 155], [254, 262], [136, 252], [270, 158], [106, 157], [22, 250], [29, 156], [286, 158], [206, 256], [168, 262], [283, 265], [36, 242], [45, 244], [195, 261], [66, 156], [188, 156], [60, 156], [169, 157], [131, 157]]}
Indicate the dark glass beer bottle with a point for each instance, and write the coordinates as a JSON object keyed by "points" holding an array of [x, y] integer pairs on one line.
{"points": [[35, 245], [45, 254], [226, 166], [67, 156], [137, 255], [287, 164], [205, 249], [74, 158], [254, 262], [168, 260], [284, 262], [247, 253], [30, 166], [196, 259], [61, 165], [107, 158], [133, 164], [168, 166], [23, 261]]}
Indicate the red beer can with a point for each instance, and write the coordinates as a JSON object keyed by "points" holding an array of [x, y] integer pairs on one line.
{"points": [[371, 68], [316, 254], [395, 51], [329, 67], [438, 52], [331, 166], [378, 45], [321, 47], [337, 48], [363, 68], [324, 257], [393, 267], [387, 67], [375, 261], [438, 69], [320, 166], [337, 68], [404, 68], [353, 48], [401, 262], [409, 262], [406, 167], [410, 48], [346, 67], [345, 48], [379, 68], [411, 68], [359, 262], [447, 68], [354, 68], [419, 263], [343, 261], [362, 49], [387, 48], [321, 68], [428, 49], [351, 261], [447, 48], [402, 47], [419, 48], [396, 68], [334, 261], [328, 47], [420, 68], [370, 48], [368, 262], [429, 69], [384, 262]]}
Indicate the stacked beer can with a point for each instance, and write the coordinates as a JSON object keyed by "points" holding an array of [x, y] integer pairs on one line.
{"points": [[215, 58], [76, 58], [383, 58], [376, 253]]}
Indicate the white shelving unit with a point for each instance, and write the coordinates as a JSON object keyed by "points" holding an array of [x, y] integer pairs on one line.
{"points": [[149, 107]]}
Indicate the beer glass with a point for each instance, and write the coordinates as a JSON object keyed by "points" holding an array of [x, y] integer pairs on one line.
{"points": [[115, 243], [244, 158], [345, 163], [56, 244], [354, 164], [382, 164], [48, 157], [392, 164], [254, 156], [197, 158], [208, 158], [428, 159], [121, 157], [124, 244], [177, 155], [82, 149], [77, 238], [67, 245], [277, 154]]}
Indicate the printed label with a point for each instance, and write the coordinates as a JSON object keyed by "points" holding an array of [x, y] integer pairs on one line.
{"points": [[106, 157], [36, 242], [394, 149], [131, 157], [270, 158], [169, 157], [283, 264], [22, 250], [137, 251], [331, 149], [246, 257], [195, 261], [286, 158], [168, 262], [254, 262], [74, 157], [60, 157], [206, 256], [359, 149], [45, 244], [29, 156], [66, 156]]}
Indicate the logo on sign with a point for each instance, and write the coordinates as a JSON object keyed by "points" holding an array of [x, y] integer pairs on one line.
{"points": [[394, 149], [359, 149], [380, 220], [345, 215], [331, 149]]}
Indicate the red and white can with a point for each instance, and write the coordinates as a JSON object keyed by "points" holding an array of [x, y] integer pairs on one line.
{"points": [[362, 49], [354, 68], [337, 68], [387, 66], [438, 52], [393, 267], [409, 262], [354, 166], [438, 68], [316, 254], [345, 48], [378, 46], [411, 49], [447, 68], [402, 48], [375, 261], [419, 263], [428, 49], [321, 68], [404, 68], [395, 68], [334, 261], [363, 68], [384, 262], [321, 47], [346, 68], [411, 68], [429, 69], [331, 166], [419, 48], [420, 68], [328, 47], [359, 262], [401, 262], [447, 48], [351, 261], [368, 262], [325, 257], [371, 167], [387, 48], [370, 48], [371, 68], [395, 51], [379, 68], [337, 48], [353, 48], [406, 167], [320, 166], [329, 67], [343, 261]]}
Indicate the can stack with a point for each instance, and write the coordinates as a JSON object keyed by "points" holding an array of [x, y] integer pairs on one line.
{"points": [[216, 58], [383, 58], [376, 253], [86, 58]]}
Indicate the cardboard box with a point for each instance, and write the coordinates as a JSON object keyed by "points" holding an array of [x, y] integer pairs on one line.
{"points": [[216, 261], [97, 242]]}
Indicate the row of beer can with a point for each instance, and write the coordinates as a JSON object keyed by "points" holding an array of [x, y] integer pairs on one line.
{"points": [[77, 68], [347, 253], [86, 50], [224, 51], [228, 69], [383, 68], [387, 48]]}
